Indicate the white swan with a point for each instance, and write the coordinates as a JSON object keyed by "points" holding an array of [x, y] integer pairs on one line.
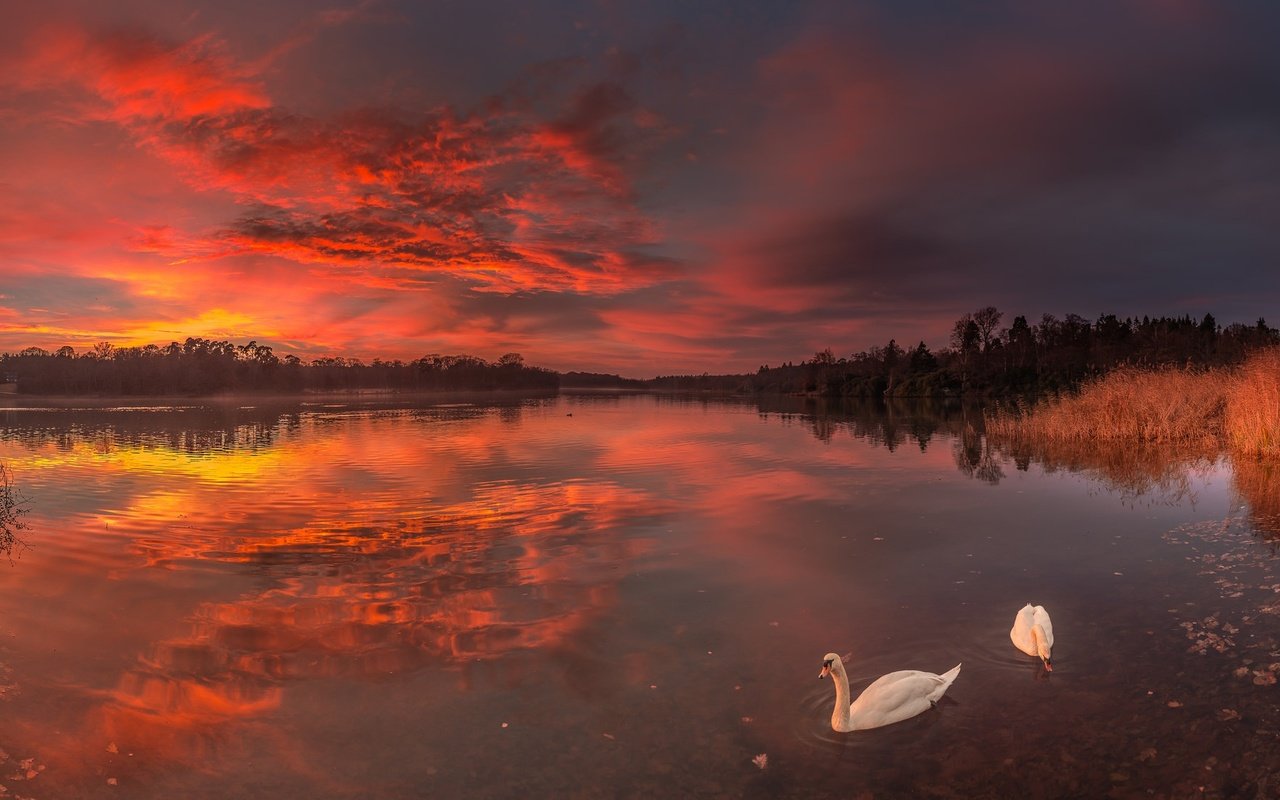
{"points": [[891, 698], [1032, 633]]}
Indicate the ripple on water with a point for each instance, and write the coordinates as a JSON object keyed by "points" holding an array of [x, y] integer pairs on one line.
{"points": [[989, 658], [995, 653], [813, 723]]}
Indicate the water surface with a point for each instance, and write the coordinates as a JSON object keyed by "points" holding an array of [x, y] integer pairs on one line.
{"points": [[592, 596]]}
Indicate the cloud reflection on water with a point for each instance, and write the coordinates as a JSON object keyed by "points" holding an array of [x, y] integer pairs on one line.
{"points": [[268, 555], [369, 551]]}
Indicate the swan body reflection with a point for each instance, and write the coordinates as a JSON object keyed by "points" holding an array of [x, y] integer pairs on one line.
{"points": [[890, 698], [1032, 633]]}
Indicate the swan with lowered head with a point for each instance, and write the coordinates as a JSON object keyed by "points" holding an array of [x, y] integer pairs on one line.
{"points": [[1032, 633], [890, 698]]}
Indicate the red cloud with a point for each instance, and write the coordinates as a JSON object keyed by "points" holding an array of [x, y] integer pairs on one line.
{"points": [[499, 198], [143, 79]]}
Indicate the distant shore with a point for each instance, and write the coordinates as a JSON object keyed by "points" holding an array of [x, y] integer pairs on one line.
{"points": [[267, 397]]}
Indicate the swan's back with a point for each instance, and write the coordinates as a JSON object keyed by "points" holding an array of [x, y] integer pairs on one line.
{"points": [[1020, 634], [1041, 618], [897, 696]]}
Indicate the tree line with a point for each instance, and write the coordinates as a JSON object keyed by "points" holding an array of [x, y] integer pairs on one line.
{"points": [[202, 367], [983, 358], [1052, 355]]}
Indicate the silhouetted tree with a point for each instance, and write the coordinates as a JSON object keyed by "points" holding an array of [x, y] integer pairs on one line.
{"points": [[986, 320], [203, 366]]}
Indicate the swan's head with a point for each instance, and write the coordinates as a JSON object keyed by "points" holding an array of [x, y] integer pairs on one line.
{"points": [[831, 663]]}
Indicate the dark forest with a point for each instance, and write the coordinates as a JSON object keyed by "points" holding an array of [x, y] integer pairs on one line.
{"points": [[982, 359]]}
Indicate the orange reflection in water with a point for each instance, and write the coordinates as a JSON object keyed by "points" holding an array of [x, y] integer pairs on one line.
{"points": [[377, 604], [352, 577]]}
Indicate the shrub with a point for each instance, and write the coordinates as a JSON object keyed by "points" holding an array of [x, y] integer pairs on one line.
{"points": [[11, 511]]}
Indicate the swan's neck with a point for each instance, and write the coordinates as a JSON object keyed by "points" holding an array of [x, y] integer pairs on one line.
{"points": [[840, 714], [1038, 639]]}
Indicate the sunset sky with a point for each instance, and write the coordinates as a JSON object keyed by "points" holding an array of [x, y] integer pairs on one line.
{"points": [[633, 187]]}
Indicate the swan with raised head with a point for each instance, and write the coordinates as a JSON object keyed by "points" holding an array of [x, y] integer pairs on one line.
{"points": [[1032, 633], [890, 698]]}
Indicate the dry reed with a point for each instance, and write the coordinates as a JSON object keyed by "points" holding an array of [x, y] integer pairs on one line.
{"points": [[1253, 406], [1239, 408], [1170, 406]]}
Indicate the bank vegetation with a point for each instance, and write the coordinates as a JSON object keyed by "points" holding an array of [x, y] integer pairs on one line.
{"points": [[1236, 408]]}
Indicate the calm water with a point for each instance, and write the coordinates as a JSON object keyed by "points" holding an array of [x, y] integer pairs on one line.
{"points": [[617, 597]]}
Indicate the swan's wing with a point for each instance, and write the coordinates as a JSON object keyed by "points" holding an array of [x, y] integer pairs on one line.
{"points": [[894, 697], [1042, 619], [887, 680], [1020, 635]]}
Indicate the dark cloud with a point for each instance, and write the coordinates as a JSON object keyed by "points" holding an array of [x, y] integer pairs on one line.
{"points": [[1093, 159], [866, 252]]}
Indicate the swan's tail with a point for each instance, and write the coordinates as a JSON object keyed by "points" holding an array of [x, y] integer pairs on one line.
{"points": [[948, 677]]}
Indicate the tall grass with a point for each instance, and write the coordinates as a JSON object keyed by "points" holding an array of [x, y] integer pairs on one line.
{"points": [[1171, 406], [1252, 423], [1237, 407]]}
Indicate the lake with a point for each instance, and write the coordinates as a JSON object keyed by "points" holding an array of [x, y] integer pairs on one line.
{"points": [[619, 596]]}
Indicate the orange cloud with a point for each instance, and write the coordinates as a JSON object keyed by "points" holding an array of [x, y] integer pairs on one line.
{"points": [[141, 79], [496, 198]]}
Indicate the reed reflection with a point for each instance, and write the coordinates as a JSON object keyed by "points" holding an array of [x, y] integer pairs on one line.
{"points": [[1257, 482], [1146, 469]]}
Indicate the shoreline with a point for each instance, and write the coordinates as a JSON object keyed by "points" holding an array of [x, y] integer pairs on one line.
{"points": [[251, 398]]}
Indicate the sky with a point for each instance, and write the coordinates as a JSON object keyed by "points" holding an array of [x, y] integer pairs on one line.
{"points": [[632, 187]]}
